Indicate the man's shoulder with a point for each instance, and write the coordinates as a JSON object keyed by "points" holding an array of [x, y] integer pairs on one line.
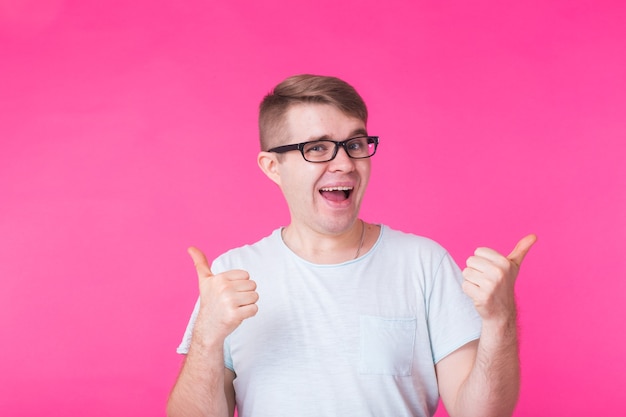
{"points": [[264, 247], [410, 241]]}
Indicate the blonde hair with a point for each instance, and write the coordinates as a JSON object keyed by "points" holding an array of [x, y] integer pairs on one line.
{"points": [[305, 88]]}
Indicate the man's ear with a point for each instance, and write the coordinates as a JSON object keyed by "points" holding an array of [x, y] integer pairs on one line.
{"points": [[268, 162]]}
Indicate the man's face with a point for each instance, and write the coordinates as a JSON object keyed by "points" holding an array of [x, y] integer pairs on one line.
{"points": [[324, 197]]}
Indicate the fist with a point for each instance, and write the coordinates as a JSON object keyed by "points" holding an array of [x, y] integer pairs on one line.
{"points": [[490, 280], [226, 299]]}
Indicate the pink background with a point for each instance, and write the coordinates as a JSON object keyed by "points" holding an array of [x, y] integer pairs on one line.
{"points": [[128, 132]]}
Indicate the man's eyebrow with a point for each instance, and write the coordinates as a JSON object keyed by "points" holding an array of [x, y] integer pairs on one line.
{"points": [[357, 132]]}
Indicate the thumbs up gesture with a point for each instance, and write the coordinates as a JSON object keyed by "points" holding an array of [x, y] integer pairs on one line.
{"points": [[226, 299], [490, 280]]}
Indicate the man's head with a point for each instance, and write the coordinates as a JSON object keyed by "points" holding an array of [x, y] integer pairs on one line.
{"points": [[323, 195], [305, 89]]}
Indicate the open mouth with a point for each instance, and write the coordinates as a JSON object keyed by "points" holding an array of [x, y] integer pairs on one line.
{"points": [[336, 193]]}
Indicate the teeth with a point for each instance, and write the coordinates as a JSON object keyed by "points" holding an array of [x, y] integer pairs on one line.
{"points": [[336, 189]]}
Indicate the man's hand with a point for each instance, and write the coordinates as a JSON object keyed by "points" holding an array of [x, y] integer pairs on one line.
{"points": [[204, 386], [490, 280], [226, 299]]}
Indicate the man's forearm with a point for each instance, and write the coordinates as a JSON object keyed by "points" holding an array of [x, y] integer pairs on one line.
{"points": [[204, 386], [199, 389], [492, 387]]}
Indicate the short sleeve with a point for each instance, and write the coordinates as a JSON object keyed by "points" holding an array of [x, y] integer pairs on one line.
{"points": [[452, 319], [183, 348]]}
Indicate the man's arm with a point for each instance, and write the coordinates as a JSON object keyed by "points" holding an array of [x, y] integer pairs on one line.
{"points": [[482, 378], [204, 386], [201, 389]]}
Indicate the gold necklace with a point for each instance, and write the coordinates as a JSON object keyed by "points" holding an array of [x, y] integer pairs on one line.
{"points": [[358, 251]]}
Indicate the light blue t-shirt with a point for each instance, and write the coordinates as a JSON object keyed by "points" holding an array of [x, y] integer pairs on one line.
{"points": [[359, 338]]}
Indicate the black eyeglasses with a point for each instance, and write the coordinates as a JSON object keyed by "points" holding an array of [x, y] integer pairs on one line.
{"points": [[326, 150]]}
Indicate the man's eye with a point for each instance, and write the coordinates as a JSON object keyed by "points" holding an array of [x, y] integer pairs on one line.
{"points": [[357, 144], [317, 147]]}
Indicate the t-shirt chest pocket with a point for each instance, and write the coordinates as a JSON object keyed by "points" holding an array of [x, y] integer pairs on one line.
{"points": [[386, 345]]}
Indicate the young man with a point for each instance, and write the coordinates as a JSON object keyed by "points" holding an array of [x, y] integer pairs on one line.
{"points": [[332, 316]]}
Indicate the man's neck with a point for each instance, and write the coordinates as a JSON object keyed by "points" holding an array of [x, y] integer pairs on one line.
{"points": [[320, 248]]}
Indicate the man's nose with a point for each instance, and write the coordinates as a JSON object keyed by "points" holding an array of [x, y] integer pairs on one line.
{"points": [[342, 160]]}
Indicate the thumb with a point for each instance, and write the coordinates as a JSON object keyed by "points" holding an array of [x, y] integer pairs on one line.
{"points": [[200, 262], [521, 249]]}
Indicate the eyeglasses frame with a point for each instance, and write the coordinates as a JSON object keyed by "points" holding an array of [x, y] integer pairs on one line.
{"points": [[343, 144]]}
